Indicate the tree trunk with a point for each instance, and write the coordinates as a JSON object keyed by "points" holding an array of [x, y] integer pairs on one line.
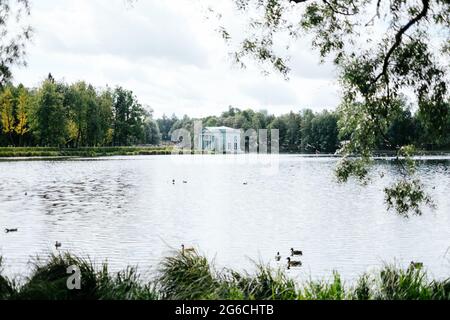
{"points": [[11, 139]]}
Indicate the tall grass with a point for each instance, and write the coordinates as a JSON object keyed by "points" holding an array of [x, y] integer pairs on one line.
{"points": [[410, 284], [324, 290], [6, 286], [192, 277], [48, 281], [187, 277], [264, 284]]}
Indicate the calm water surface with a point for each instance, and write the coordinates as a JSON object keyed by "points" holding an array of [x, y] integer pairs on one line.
{"points": [[127, 211]]}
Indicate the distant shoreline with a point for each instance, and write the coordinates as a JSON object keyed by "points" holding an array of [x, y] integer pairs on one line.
{"points": [[67, 153], [44, 153]]}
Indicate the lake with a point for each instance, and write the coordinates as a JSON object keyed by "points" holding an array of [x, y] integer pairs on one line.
{"points": [[126, 210]]}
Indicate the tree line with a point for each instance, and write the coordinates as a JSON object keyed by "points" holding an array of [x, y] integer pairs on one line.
{"points": [[73, 115], [312, 132], [79, 115]]}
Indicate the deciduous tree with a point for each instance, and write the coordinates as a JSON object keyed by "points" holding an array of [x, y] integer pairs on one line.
{"points": [[23, 104], [7, 115]]}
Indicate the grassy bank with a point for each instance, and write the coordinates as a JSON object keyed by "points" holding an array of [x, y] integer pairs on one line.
{"points": [[82, 152], [43, 152], [193, 277]]}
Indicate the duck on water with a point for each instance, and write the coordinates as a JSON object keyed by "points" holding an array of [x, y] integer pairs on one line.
{"points": [[293, 264], [185, 250]]}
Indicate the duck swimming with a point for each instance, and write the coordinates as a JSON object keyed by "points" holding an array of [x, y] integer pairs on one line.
{"points": [[293, 264], [296, 252], [278, 257], [186, 250]]}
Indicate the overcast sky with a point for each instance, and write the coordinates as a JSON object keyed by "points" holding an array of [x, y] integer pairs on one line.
{"points": [[169, 54]]}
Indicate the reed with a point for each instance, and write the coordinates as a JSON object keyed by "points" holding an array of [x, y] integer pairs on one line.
{"points": [[6, 286], [187, 277], [191, 276]]}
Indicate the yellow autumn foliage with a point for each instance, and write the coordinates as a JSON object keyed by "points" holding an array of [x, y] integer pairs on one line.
{"points": [[6, 106]]}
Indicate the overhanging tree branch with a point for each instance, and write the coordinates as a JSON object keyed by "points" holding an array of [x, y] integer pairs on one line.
{"points": [[377, 14], [338, 11], [399, 37]]}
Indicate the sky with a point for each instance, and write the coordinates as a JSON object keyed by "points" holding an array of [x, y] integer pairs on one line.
{"points": [[170, 55]]}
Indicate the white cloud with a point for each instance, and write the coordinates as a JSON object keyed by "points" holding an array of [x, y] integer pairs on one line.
{"points": [[168, 54]]}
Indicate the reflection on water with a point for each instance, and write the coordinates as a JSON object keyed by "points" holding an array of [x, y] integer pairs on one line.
{"points": [[128, 211]]}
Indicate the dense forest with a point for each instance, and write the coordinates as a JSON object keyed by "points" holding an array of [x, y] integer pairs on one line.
{"points": [[310, 132], [79, 115]]}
